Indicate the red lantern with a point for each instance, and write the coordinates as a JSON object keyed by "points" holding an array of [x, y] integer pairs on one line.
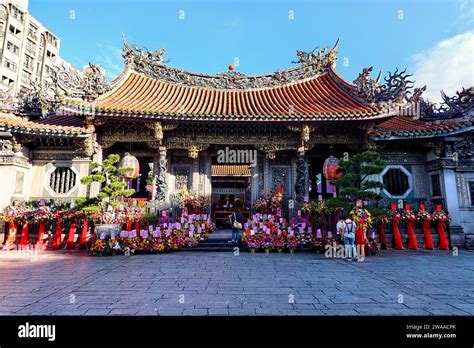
{"points": [[130, 162], [330, 166], [231, 67]]}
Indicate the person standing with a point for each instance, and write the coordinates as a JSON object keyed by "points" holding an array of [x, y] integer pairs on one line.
{"points": [[349, 238], [237, 223], [340, 229]]}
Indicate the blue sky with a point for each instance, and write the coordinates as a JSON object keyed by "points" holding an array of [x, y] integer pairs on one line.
{"points": [[264, 35]]}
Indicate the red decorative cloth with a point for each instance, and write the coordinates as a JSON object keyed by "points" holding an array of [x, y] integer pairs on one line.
{"points": [[398, 244], [70, 236], [24, 236], [412, 244], [83, 236], [11, 238], [425, 225], [360, 236], [443, 240], [128, 225], [381, 230], [40, 245], [137, 227], [58, 235]]}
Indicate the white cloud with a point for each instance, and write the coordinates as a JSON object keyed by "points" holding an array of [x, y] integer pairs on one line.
{"points": [[447, 66], [466, 12], [110, 58]]}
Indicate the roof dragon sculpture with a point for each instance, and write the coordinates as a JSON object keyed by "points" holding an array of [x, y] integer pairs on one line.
{"points": [[153, 64]]}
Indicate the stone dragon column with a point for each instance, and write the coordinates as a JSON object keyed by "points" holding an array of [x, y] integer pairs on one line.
{"points": [[161, 184]]}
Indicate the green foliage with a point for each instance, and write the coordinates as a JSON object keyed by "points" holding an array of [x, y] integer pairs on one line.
{"points": [[338, 203], [354, 184], [377, 212], [150, 218], [113, 187]]}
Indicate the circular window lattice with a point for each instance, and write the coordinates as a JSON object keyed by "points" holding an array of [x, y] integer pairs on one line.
{"points": [[62, 180], [396, 182]]}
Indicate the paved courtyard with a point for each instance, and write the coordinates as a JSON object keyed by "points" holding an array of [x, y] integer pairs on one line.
{"points": [[206, 283]]}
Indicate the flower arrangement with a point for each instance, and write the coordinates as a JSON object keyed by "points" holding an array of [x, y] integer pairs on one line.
{"points": [[408, 215], [440, 215], [111, 216], [252, 242], [361, 217], [372, 246], [423, 215], [394, 214], [279, 243], [291, 242], [98, 247], [260, 205], [276, 200], [267, 242]]}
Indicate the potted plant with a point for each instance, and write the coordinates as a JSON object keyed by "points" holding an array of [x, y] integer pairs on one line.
{"points": [[106, 209]]}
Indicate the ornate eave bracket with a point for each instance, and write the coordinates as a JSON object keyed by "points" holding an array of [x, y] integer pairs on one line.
{"points": [[305, 133], [158, 128]]}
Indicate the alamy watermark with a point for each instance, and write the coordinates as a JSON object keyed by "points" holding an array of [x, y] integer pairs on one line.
{"points": [[233, 156]]}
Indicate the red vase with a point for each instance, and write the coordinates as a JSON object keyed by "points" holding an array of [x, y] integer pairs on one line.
{"points": [[427, 233]]}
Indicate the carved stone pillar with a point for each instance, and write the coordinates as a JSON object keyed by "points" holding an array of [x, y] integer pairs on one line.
{"points": [[161, 177], [301, 189]]}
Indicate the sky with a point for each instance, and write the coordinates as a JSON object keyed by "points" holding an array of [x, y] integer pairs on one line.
{"points": [[433, 39]]}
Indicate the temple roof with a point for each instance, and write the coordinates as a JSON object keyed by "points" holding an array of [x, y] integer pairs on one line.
{"points": [[150, 89], [322, 97], [401, 127], [51, 126]]}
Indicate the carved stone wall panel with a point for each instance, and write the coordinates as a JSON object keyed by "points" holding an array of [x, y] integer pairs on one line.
{"points": [[421, 188]]}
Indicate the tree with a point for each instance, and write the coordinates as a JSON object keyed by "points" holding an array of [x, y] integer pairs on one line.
{"points": [[354, 184], [113, 177]]}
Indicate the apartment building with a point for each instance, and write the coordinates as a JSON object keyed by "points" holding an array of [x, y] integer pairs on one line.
{"points": [[28, 50]]}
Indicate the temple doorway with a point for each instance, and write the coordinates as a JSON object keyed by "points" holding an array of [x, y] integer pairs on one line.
{"points": [[231, 188]]}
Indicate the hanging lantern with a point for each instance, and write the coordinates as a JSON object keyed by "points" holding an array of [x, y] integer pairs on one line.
{"points": [[330, 166], [130, 162]]}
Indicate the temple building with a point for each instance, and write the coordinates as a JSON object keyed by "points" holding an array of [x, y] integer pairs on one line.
{"points": [[235, 137]]}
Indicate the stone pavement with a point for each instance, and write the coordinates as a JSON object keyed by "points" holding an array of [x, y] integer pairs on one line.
{"points": [[205, 283]]}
